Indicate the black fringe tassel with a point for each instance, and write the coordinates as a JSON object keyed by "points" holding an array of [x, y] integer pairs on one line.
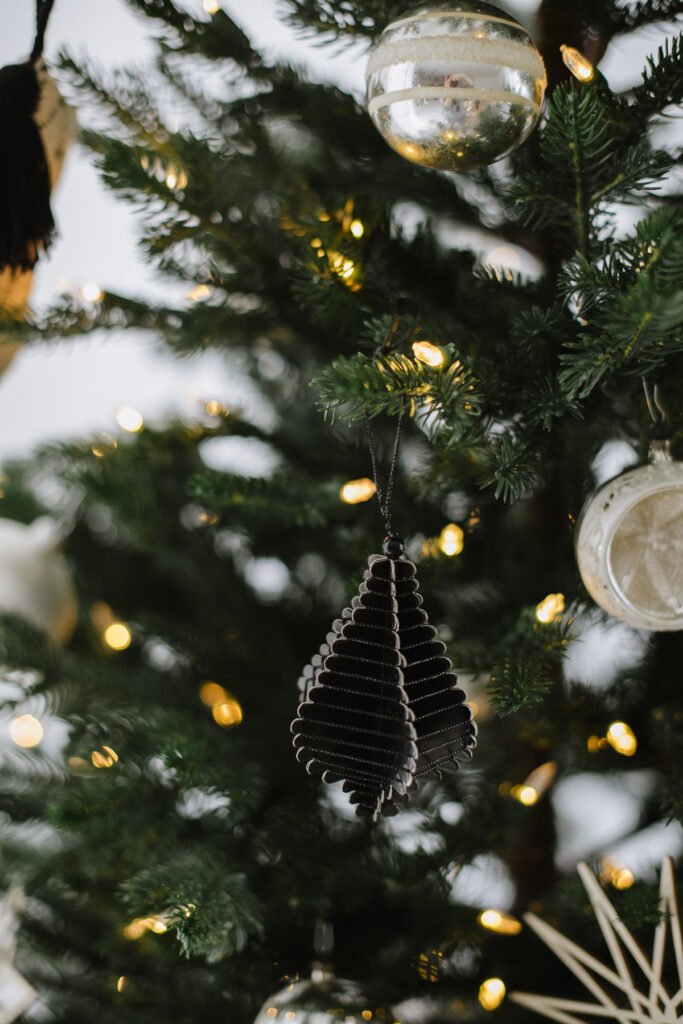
{"points": [[27, 226]]}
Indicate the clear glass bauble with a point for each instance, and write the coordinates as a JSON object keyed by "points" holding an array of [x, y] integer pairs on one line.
{"points": [[323, 999], [455, 86], [629, 544]]}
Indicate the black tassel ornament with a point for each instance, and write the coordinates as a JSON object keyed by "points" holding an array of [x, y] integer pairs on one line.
{"points": [[381, 704], [27, 226]]}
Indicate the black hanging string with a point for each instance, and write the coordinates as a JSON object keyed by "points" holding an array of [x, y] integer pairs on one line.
{"points": [[384, 496], [43, 12]]}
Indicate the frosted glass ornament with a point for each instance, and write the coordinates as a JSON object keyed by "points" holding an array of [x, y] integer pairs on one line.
{"points": [[629, 544], [455, 86], [322, 999], [35, 581]]}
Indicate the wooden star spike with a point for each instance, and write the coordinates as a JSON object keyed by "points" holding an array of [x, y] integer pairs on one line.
{"points": [[655, 1004]]}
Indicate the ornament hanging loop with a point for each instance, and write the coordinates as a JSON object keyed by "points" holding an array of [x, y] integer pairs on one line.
{"points": [[43, 12], [385, 495], [659, 416]]}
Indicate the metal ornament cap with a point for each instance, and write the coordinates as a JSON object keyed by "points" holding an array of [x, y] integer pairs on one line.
{"points": [[629, 544]]}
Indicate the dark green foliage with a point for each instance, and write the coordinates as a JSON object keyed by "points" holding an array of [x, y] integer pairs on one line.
{"points": [[217, 834]]}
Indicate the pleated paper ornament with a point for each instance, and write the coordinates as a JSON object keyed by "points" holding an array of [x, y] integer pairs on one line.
{"points": [[382, 707]]}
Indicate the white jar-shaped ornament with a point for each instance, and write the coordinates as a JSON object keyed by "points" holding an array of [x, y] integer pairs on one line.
{"points": [[629, 544], [456, 85]]}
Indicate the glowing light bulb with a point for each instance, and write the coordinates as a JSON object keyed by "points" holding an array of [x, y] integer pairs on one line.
{"points": [[580, 66], [430, 547], [623, 879], [357, 228], [211, 693], [356, 491], [430, 355], [228, 713], [121, 983], [198, 293], [117, 636], [211, 6], [617, 875], [105, 758], [272, 1011], [524, 794], [342, 266], [541, 778], [92, 292], [550, 608], [133, 931], [502, 924], [130, 419], [26, 731], [366, 1014], [451, 540], [621, 738], [492, 993]]}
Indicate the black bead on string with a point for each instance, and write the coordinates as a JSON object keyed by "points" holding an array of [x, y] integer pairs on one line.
{"points": [[381, 704]]}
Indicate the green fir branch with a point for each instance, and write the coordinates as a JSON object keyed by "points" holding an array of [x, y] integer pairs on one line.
{"points": [[343, 20], [265, 502], [211, 908], [625, 17], [514, 466], [580, 169], [527, 672], [662, 81], [632, 305], [357, 386]]}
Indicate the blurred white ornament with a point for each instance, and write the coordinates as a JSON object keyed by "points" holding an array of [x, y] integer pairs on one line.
{"points": [[456, 85], [58, 127], [35, 581], [629, 544], [322, 999], [16, 995]]}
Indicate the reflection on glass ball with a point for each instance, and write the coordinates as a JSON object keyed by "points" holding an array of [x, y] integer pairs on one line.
{"points": [[323, 999], [455, 86]]}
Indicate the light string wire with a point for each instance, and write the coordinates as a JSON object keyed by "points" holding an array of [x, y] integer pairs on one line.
{"points": [[655, 404]]}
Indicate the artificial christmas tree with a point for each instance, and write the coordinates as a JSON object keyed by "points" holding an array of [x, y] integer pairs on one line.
{"points": [[174, 855]]}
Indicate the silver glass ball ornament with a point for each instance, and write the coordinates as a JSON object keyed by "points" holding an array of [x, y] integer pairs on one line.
{"points": [[455, 86], [629, 544], [323, 999]]}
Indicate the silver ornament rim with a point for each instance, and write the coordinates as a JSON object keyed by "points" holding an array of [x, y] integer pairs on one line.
{"points": [[597, 527]]}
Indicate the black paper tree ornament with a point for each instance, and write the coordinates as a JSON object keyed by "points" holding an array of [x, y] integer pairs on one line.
{"points": [[381, 705]]}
